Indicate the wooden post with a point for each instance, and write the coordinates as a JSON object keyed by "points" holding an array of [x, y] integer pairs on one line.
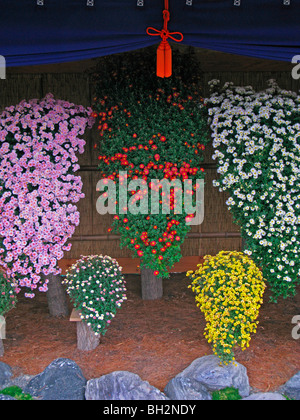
{"points": [[152, 286], [57, 297], [2, 334], [86, 338], [244, 244]]}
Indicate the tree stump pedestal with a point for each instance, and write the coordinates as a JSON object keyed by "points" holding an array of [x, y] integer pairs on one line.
{"points": [[152, 286], [86, 338], [2, 334], [1, 348], [56, 296]]}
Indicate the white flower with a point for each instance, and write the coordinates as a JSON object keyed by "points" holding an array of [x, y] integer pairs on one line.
{"points": [[257, 144]]}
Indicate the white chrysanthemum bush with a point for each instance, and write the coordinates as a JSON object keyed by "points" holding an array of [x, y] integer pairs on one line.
{"points": [[256, 137], [96, 286]]}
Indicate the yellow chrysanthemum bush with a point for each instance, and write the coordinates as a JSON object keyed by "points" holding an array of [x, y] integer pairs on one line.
{"points": [[229, 291]]}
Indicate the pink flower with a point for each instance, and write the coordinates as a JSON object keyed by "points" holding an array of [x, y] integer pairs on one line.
{"points": [[37, 181]]}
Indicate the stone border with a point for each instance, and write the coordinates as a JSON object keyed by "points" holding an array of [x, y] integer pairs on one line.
{"points": [[63, 380]]}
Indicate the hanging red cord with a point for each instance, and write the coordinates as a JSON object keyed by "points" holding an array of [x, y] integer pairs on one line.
{"points": [[164, 51]]}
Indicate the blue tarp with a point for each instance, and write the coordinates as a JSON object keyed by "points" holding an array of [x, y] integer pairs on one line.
{"points": [[69, 30]]}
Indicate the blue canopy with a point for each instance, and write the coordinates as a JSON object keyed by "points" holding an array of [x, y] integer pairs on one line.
{"points": [[69, 30]]}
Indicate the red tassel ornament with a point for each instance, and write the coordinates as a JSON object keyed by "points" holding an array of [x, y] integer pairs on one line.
{"points": [[164, 60], [164, 51]]}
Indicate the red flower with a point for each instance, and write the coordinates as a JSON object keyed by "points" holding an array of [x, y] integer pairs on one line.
{"points": [[157, 157]]}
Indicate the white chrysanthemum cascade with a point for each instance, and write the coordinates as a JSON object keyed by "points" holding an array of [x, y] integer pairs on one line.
{"points": [[256, 137]]}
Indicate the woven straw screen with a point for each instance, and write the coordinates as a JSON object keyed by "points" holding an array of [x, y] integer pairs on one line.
{"points": [[77, 88]]}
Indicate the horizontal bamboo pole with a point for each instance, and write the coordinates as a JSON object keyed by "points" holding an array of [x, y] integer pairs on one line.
{"points": [[213, 235], [94, 168]]}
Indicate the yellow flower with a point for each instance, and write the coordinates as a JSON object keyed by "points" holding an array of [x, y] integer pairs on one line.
{"points": [[229, 290]]}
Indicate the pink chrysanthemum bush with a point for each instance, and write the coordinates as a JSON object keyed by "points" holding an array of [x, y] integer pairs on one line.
{"points": [[39, 140]]}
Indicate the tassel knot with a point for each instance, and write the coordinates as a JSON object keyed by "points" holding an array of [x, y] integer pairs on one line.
{"points": [[164, 51]]}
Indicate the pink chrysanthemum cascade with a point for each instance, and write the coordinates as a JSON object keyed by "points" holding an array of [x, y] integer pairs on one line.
{"points": [[39, 141]]}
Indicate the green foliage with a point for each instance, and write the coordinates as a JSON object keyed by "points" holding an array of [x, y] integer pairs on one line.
{"points": [[8, 296], [153, 129], [96, 286], [17, 393], [288, 398], [226, 394]]}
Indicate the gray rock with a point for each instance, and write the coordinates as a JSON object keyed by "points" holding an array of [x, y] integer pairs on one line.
{"points": [[292, 387], [181, 388], [122, 385], [5, 374], [265, 396], [6, 398], [208, 372], [20, 381], [61, 380]]}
